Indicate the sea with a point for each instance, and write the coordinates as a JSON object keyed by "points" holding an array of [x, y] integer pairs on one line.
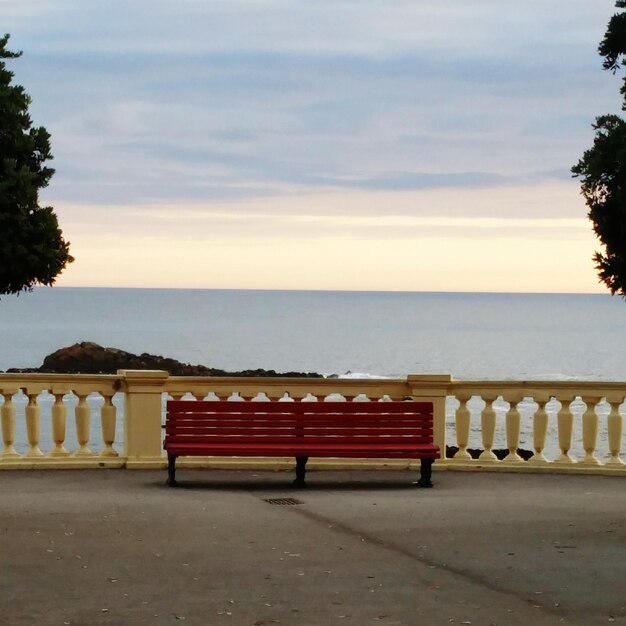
{"points": [[470, 335], [503, 336]]}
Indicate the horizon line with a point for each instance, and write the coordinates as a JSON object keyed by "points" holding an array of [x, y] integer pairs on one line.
{"points": [[287, 290]]}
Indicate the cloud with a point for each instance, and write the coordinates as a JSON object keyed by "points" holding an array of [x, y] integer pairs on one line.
{"points": [[195, 100], [553, 207], [362, 27]]}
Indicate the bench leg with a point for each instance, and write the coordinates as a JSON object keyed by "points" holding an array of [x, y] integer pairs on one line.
{"points": [[171, 470], [425, 473], [300, 471]]}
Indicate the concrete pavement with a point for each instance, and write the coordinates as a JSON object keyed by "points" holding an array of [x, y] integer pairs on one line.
{"points": [[118, 547]]}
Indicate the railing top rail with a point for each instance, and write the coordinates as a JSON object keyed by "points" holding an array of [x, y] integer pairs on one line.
{"points": [[540, 389], [294, 386], [537, 384], [59, 383], [283, 379], [376, 387], [21, 376]]}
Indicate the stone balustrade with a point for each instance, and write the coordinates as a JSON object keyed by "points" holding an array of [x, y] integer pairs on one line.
{"points": [[567, 426], [115, 421], [34, 398]]}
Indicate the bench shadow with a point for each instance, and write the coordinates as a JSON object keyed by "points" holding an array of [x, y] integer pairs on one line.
{"points": [[283, 483]]}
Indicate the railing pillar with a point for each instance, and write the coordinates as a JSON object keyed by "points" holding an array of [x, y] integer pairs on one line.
{"points": [[82, 417], [433, 388], [462, 428], [540, 431], [513, 429], [143, 391], [614, 425], [33, 426], [107, 420], [488, 428], [590, 430], [565, 423], [8, 425], [59, 421]]}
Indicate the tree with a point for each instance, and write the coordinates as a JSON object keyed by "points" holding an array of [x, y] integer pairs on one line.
{"points": [[32, 248], [602, 169]]}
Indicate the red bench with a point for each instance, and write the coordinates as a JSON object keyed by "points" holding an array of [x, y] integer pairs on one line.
{"points": [[382, 430]]}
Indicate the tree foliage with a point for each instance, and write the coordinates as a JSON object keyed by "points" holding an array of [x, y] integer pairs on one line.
{"points": [[602, 169], [32, 248]]}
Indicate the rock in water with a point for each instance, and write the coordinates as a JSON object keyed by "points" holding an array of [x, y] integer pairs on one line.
{"points": [[88, 357]]}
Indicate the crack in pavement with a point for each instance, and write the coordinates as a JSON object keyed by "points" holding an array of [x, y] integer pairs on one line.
{"points": [[348, 530]]}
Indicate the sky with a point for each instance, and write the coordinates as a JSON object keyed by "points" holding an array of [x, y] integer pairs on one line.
{"points": [[339, 144]]}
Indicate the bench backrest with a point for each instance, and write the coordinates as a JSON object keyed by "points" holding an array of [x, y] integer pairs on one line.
{"points": [[284, 422]]}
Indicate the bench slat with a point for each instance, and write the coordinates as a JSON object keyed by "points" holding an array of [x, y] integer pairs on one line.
{"points": [[286, 440], [306, 426], [294, 408], [421, 433], [302, 420], [298, 419]]}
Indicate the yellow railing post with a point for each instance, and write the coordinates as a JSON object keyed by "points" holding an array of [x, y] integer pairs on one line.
{"points": [[143, 391], [7, 413], [488, 429], [108, 417], [614, 426], [513, 422], [540, 430], [82, 414], [462, 421], [433, 388]]}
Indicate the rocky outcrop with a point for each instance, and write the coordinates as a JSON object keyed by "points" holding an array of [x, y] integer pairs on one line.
{"points": [[90, 358], [500, 453]]}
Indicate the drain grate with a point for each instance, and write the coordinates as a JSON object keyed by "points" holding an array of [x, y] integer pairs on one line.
{"points": [[284, 501]]}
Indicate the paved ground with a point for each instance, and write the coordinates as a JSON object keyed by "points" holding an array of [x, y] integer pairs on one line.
{"points": [[119, 548]]}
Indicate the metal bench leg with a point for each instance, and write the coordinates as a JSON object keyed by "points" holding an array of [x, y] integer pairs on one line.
{"points": [[171, 470], [300, 471], [425, 473]]}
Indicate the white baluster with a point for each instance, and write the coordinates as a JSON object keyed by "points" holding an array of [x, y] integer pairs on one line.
{"points": [[59, 414], [488, 427], [614, 426], [33, 426], [83, 418], [108, 414], [513, 424], [590, 431], [462, 428], [540, 432], [7, 414], [565, 423]]}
